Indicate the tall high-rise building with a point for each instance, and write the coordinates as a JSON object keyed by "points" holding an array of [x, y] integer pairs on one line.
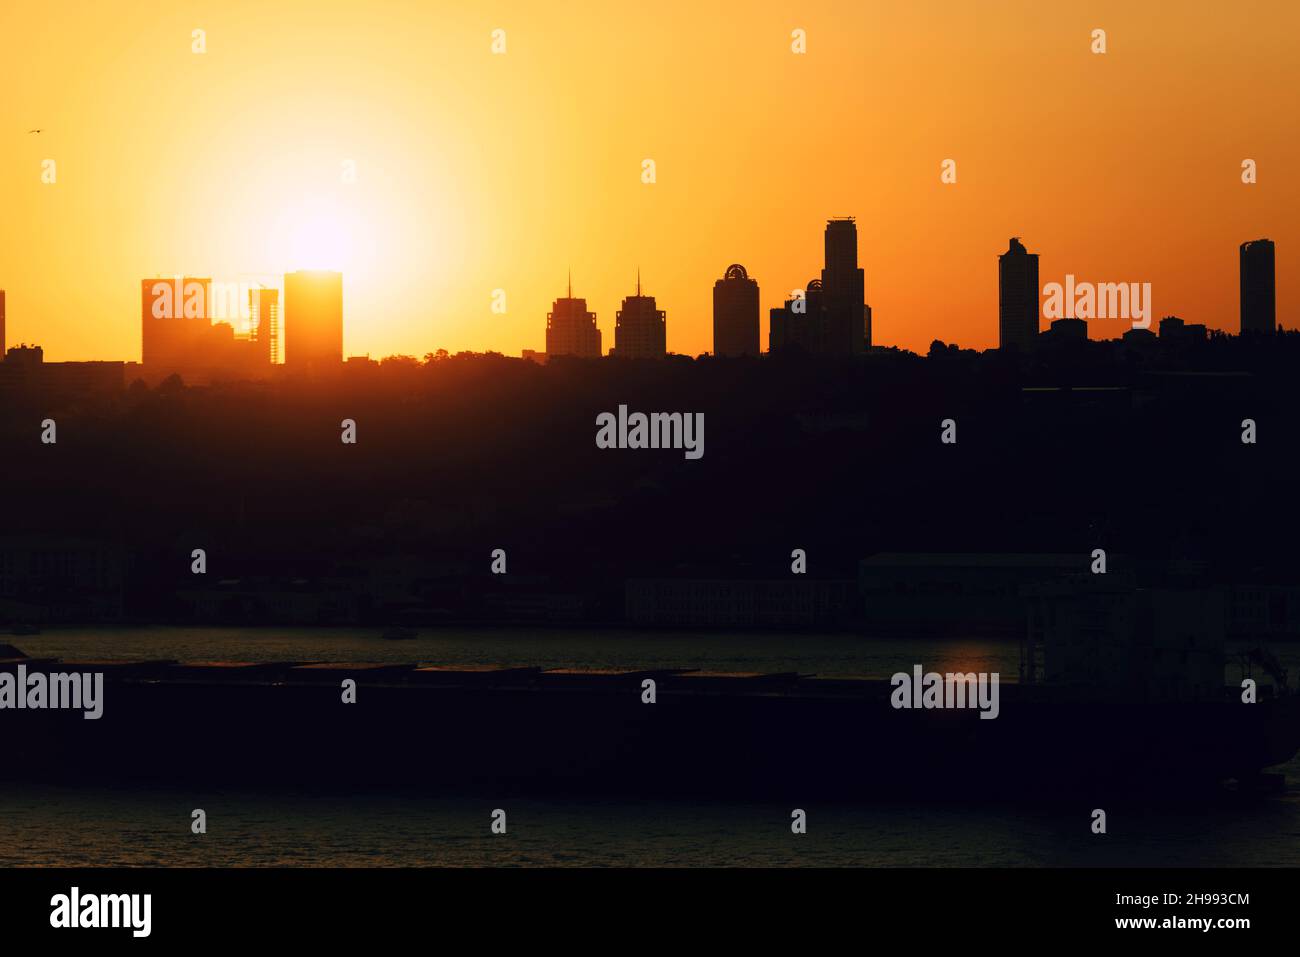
{"points": [[2, 325], [640, 328], [313, 320], [570, 329], [1017, 298], [735, 314], [1258, 288], [174, 321], [264, 313], [844, 290], [831, 317]]}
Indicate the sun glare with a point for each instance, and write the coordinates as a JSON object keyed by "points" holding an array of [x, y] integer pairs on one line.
{"points": [[321, 237], [321, 233]]}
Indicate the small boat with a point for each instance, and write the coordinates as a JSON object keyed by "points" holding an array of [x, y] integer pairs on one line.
{"points": [[399, 634], [25, 629]]}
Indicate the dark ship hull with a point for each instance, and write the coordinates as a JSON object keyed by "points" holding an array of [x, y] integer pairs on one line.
{"points": [[525, 731]]}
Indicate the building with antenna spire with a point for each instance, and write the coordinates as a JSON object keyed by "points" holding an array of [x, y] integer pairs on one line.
{"points": [[641, 327], [570, 329]]}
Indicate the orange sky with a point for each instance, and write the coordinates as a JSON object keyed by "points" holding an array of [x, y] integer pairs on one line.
{"points": [[478, 172]]}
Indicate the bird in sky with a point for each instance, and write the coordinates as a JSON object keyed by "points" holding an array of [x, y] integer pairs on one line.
{"points": [[33, 131]]}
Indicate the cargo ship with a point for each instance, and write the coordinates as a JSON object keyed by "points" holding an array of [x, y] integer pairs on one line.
{"points": [[645, 733]]}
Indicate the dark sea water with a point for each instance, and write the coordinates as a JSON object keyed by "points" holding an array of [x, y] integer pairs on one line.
{"points": [[822, 654], [102, 826]]}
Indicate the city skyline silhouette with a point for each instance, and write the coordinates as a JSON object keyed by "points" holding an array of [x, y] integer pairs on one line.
{"points": [[230, 331], [501, 170], [731, 435]]}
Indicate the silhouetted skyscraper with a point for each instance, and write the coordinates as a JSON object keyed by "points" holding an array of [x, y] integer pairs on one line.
{"points": [[264, 304], [640, 329], [174, 320], [844, 289], [570, 329], [832, 317], [735, 314], [2, 325], [1017, 298], [1258, 289], [313, 320]]}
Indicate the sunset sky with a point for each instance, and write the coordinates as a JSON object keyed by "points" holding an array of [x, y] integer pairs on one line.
{"points": [[478, 171]]}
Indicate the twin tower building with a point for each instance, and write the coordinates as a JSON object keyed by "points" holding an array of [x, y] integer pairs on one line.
{"points": [[830, 317]]}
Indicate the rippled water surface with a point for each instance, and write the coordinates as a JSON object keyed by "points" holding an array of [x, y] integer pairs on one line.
{"points": [[48, 825]]}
